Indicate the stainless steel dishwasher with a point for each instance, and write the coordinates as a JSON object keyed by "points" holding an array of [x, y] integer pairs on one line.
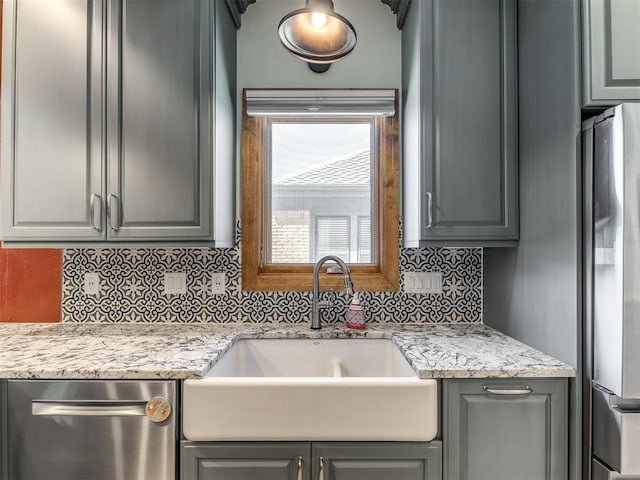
{"points": [[86, 429]]}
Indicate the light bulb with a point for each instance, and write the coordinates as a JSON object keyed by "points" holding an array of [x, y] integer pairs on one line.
{"points": [[318, 20]]}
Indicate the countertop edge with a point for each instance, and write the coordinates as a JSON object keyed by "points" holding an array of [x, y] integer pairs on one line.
{"points": [[428, 348]]}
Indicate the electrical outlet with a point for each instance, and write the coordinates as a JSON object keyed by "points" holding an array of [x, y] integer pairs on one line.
{"points": [[175, 283], [218, 283], [91, 283], [423, 282]]}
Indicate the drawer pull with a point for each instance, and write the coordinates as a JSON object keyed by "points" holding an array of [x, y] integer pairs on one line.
{"points": [[321, 473], [508, 391], [299, 467]]}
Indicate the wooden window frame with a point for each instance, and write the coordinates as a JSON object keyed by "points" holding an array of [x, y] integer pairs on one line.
{"points": [[383, 276]]}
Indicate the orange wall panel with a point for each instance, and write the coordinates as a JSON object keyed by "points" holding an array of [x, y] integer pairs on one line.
{"points": [[30, 285]]}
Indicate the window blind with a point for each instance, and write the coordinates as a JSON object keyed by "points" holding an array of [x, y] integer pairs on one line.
{"points": [[332, 236], [301, 103]]}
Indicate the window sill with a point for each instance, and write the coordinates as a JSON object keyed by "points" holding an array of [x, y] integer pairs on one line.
{"points": [[364, 280]]}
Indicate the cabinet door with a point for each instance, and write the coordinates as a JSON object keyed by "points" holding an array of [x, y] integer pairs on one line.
{"points": [[492, 432], [159, 120], [376, 461], [459, 69], [52, 157], [244, 461], [3, 430], [611, 53]]}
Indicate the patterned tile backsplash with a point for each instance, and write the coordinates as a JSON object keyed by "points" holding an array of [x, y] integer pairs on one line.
{"points": [[131, 289]]}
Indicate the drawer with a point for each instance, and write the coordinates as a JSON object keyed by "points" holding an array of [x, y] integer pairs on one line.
{"points": [[616, 432], [601, 472]]}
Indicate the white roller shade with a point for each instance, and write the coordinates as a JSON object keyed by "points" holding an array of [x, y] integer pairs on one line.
{"points": [[304, 103]]}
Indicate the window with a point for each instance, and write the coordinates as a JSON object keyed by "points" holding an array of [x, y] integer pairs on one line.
{"points": [[320, 177], [317, 170]]}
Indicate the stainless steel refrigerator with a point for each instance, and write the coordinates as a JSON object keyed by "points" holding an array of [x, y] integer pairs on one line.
{"points": [[611, 154]]}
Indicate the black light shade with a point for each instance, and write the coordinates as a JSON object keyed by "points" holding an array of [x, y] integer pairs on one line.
{"points": [[317, 35]]}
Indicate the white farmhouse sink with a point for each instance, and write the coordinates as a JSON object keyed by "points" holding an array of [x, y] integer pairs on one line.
{"points": [[307, 389]]}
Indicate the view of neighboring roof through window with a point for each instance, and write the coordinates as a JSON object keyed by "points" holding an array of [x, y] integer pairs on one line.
{"points": [[320, 176], [321, 190]]}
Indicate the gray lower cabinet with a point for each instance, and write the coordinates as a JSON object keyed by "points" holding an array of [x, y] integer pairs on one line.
{"points": [[306, 461], [244, 461], [505, 429], [376, 461], [115, 116], [611, 55], [3, 430], [460, 169]]}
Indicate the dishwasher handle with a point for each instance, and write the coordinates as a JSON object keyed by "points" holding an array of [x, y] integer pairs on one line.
{"points": [[91, 408], [157, 409]]}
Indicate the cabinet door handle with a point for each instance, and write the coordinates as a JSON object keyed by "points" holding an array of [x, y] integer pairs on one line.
{"points": [[299, 477], [508, 391], [92, 209], [115, 226], [429, 210], [321, 472]]}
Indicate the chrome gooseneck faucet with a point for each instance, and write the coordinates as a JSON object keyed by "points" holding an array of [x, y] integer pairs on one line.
{"points": [[316, 304]]}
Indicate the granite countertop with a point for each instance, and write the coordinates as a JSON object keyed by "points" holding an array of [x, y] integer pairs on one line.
{"points": [[179, 351]]}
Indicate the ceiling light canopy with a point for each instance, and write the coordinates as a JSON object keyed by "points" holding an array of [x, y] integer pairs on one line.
{"points": [[317, 35]]}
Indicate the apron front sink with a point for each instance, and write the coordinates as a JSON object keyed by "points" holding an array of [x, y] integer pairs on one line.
{"points": [[279, 389]]}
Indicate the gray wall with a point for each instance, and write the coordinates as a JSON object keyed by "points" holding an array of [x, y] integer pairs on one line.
{"points": [[533, 291], [264, 63]]}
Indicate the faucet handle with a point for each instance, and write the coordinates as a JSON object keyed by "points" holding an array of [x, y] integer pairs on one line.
{"points": [[325, 304]]}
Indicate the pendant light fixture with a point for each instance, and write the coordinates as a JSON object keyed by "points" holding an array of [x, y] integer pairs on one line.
{"points": [[317, 35]]}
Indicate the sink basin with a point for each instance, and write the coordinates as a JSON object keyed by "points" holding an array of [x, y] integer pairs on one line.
{"points": [[312, 358], [281, 389]]}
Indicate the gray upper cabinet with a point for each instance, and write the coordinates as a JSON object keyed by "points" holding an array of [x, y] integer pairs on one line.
{"points": [[460, 123], [505, 429], [115, 132], [611, 51], [159, 119], [52, 158]]}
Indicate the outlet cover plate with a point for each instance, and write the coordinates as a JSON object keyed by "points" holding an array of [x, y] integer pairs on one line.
{"points": [[91, 283], [175, 283], [423, 282], [218, 283]]}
